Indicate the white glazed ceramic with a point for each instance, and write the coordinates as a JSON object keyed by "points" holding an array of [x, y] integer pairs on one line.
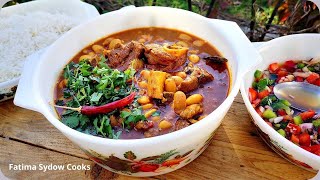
{"points": [[293, 47], [138, 157], [79, 10]]}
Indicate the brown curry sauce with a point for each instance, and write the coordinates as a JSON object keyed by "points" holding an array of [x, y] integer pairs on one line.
{"points": [[214, 92]]}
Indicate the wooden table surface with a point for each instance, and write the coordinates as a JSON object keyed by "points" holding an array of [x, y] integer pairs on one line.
{"points": [[236, 151]]}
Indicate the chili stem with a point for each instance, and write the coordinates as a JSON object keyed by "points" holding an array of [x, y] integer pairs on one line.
{"points": [[70, 108]]}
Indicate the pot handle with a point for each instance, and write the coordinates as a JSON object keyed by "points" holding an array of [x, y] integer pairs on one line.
{"points": [[26, 94]]}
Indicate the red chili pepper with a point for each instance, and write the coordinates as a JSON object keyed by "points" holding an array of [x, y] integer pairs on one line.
{"points": [[94, 110]]}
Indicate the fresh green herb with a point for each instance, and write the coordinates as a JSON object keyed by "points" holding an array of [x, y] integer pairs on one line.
{"points": [[96, 85], [132, 117], [71, 121]]}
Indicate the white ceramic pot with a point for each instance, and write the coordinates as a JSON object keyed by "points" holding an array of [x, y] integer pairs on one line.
{"points": [[293, 47], [35, 89]]}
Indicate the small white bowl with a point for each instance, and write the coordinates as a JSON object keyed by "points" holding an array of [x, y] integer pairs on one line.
{"points": [[292, 47], [79, 10], [178, 148]]}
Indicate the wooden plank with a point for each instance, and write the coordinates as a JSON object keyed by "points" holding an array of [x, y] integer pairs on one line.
{"points": [[235, 153], [32, 127], [12, 152]]}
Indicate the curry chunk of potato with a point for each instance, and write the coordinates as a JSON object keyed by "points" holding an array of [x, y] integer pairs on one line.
{"points": [[191, 111], [156, 82]]}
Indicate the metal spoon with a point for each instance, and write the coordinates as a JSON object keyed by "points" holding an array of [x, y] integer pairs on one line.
{"points": [[301, 95]]}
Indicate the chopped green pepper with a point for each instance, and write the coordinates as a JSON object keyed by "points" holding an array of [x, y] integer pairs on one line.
{"points": [[300, 65], [282, 132], [262, 84], [297, 120], [316, 123], [269, 114], [258, 74]]}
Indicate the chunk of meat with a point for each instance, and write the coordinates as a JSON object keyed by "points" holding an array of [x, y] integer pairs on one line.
{"points": [[159, 59], [189, 84], [155, 54], [197, 76], [191, 111], [167, 97], [180, 124], [202, 75], [121, 57], [143, 125]]}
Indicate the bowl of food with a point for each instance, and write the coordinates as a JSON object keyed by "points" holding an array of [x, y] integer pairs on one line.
{"points": [[29, 27], [140, 90], [292, 133]]}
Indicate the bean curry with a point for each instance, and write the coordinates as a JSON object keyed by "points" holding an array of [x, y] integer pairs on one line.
{"points": [[141, 83]]}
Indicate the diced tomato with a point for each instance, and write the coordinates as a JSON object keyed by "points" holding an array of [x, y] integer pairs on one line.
{"points": [[274, 67], [289, 65], [315, 148], [304, 139], [294, 139], [282, 73], [307, 115], [307, 148], [258, 111], [293, 129], [253, 94], [312, 78], [317, 83], [263, 94], [256, 102], [317, 153], [299, 79], [281, 112]]}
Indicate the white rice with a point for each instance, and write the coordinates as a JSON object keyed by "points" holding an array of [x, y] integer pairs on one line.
{"points": [[23, 34]]}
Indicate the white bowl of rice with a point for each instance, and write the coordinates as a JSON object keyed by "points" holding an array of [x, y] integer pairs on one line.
{"points": [[28, 28]]}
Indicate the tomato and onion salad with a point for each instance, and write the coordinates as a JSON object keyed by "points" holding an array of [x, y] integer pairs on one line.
{"points": [[300, 127]]}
